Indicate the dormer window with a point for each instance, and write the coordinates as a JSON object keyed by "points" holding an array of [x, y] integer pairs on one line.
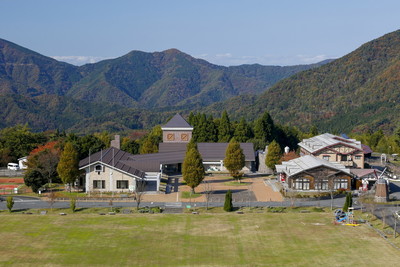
{"points": [[98, 168]]}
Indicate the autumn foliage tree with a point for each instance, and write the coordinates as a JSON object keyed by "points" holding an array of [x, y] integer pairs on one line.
{"points": [[234, 159], [42, 165], [67, 168], [289, 156], [192, 167], [273, 156]]}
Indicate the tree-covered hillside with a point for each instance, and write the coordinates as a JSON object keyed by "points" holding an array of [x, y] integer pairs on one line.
{"points": [[46, 93], [356, 92]]}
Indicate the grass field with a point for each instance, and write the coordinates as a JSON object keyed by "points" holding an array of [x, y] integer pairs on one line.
{"points": [[268, 239]]}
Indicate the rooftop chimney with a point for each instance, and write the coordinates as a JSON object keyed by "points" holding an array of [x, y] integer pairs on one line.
{"points": [[116, 142]]}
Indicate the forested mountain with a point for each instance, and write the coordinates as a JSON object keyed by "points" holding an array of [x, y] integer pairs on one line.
{"points": [[46, 93], [358, 91]]}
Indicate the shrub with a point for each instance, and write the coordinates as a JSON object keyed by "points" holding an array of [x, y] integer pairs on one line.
{"points": [[73, 204], [10, 203], [228, 201]]}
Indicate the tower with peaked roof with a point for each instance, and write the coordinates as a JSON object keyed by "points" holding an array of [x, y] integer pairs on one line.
{"points": [[177, 130]]}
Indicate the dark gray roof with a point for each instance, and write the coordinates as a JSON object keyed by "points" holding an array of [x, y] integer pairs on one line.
{"points": [[210, 151], [177, 122], [151, 162], [170, 153], [113, 157], [216, 151], [171, 147]]}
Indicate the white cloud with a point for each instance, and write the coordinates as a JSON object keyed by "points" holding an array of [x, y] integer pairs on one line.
{"points": [[78, 60]]}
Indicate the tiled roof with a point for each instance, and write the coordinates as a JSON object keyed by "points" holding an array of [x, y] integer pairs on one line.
{"points": [[304, 163], [112, 157], [177, 121], [322, 141]]}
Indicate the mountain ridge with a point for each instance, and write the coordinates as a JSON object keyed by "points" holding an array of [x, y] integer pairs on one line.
{"points": [[167, 80], [359, 91]]}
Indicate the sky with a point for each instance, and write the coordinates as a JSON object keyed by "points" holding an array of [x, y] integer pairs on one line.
{"points": [[223, 32]]}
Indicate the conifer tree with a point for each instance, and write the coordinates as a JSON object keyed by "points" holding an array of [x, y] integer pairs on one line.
{"points": [[346, 203], [211, 130], [201, 129], [67, 167], [224, 128], [242, 131], [234, 159], [10, 203], [191, 118], [228, 201], [192, 167], [274, 155], [264, 128]]}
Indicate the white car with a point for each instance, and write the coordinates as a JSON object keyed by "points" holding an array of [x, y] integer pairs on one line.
{"points": [[13, 166]]}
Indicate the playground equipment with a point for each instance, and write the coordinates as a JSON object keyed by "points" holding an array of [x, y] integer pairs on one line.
{"points": [[345, 218]]}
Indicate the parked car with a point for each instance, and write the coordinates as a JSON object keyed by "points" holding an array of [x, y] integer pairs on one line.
{"points": [[13, 166]]}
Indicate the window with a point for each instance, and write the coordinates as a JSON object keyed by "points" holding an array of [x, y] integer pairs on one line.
{"points": [[302, 184], [357, 157], [321, 184], [325, 157], [340, 183], [98, 168], [122, 184], [343, 157], [99, 184]]}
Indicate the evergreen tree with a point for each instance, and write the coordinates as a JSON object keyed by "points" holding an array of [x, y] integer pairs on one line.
{"points": [[346, 203], [191, 118], [313, 131], [72, 204], [148, 146], [242, 131], [130, 146], [264, 128], [192, 168], [150, 143], [34, 179], [274, 155], [67, 167], [234, 159], [350, 199], [228, 201], [200, 131], [190, 145], [105, 137], [375, 138], [224, 128], [211, 130], [397, 135], [10, 203]]}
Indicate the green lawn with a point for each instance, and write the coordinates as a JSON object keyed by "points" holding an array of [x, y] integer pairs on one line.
{"points": [[259, 239], [186, 194]]}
